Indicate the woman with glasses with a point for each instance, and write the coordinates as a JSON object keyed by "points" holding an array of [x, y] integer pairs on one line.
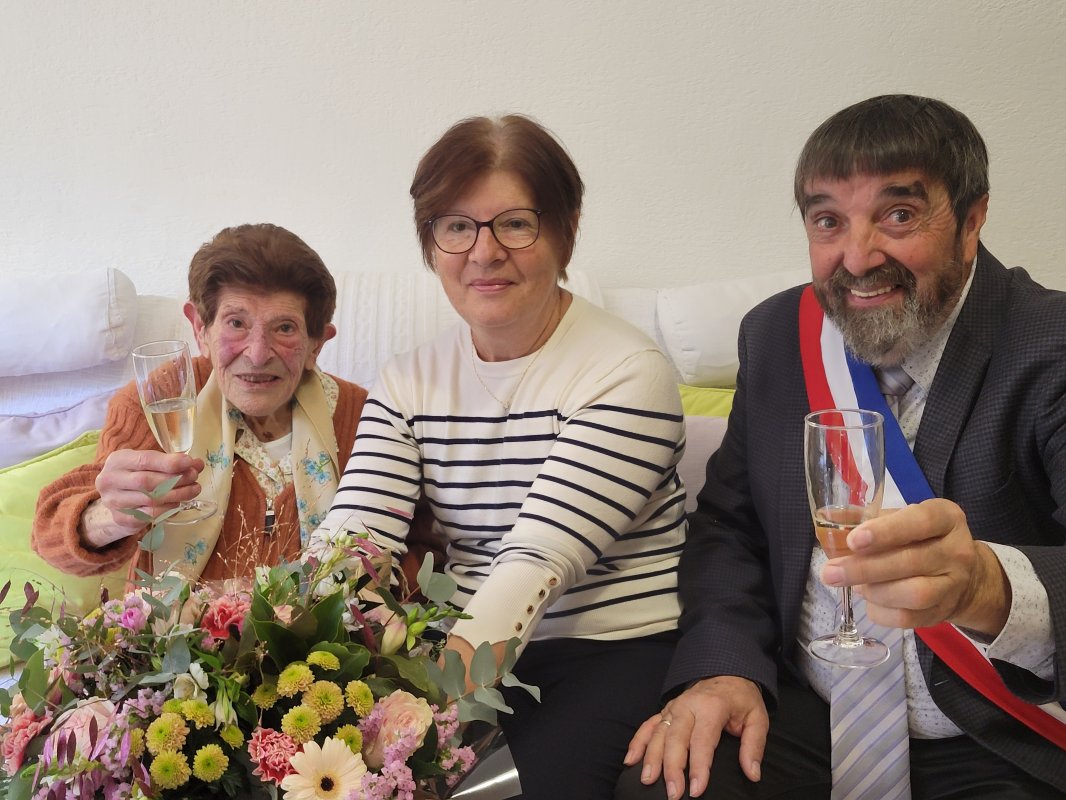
{"points": [[544, 433]]}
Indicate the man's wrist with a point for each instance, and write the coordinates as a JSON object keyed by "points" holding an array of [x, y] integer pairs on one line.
{"points": [[988, 607]]}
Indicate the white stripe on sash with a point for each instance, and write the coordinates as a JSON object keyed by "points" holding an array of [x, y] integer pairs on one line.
{"points": [[841, 387]]}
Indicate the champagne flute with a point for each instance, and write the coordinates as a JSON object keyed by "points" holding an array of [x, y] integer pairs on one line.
{"points": [[166, 385], [844, 459]]}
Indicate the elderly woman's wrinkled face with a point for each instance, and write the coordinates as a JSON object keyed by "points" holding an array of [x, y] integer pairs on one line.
{"points": [[259, 348]]}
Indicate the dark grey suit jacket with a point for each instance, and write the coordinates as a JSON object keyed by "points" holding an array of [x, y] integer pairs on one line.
{"points": [[992, 438]]}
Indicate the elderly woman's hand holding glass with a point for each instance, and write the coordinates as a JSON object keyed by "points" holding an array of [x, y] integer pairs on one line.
{"points": [[544, 433], [271, 437]]}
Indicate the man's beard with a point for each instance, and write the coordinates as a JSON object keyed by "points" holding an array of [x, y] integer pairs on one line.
{"points": [[886, 335]]}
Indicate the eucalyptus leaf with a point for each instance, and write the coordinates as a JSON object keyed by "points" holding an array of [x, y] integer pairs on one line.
{"points": [[510, 655], [492, 698], [483, 665], [510, 680], [439, 588], [453, 679], [153, 539], [470, 711], [424, 572], [162, 489], [177, 658], [138, 515]]}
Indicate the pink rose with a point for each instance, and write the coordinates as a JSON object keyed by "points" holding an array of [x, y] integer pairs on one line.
{"points": [[401, 714], [23, 728], [224, 614], [270, 751], [77, 721]]}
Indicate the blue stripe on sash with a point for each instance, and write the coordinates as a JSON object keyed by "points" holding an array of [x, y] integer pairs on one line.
{"points": [[898, 456]]}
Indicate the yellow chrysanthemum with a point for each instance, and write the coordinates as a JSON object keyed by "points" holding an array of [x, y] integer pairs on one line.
{"points": [[170, 770], [232, 735], [265, 696], [173, 705], [209, 763], [301, 723], [325, 698], [295, 678], [360, 698], [136, 744], [323, 659], [351, 736], [198, 712], [166, 733]]}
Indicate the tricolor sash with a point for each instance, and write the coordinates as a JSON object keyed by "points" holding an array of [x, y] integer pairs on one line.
{"points": [[836, 379]]}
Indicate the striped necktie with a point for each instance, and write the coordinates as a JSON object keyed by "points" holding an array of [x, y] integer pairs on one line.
{"points": [[868, 707], [868, 723]]}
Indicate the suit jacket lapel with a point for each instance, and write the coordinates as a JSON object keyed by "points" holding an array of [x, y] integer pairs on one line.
{"points": [[961, 372]]}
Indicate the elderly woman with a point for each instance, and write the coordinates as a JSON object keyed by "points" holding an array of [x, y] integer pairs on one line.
{"points": [[260, 304], [545, 434]]}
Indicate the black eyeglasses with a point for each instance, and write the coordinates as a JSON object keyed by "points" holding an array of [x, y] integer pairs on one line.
{"points": [[514, 228]]}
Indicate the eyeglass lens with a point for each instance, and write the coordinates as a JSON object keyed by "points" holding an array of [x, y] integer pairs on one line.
{"points": [[514, 229]]}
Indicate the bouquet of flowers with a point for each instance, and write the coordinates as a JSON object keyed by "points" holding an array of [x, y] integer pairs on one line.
{"points": [[314, 680]]}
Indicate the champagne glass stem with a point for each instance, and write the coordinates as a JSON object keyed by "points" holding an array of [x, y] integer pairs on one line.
{"points": [[847, 632]]}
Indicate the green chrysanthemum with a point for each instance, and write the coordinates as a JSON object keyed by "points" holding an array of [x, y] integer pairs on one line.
{"points": [[359, 697], [323, 659], [232, 735], [209, 763], [325, 698], [265, 696], [198, 712], [170, 770], [295, 678], [301, 723], [173, 705], [166, 733], [351, 736]]}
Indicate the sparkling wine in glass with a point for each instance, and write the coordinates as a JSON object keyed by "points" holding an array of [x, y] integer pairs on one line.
{"points": [[844, 459], [167, 388]]}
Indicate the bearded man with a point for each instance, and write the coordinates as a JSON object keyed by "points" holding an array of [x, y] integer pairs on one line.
{"points": [[967, 361]]}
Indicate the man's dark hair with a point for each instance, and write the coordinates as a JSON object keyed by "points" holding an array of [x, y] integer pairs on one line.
{"points": [[896, 132]]}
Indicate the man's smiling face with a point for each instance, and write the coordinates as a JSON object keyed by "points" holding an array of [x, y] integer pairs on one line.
{"points": [[888, 259]]}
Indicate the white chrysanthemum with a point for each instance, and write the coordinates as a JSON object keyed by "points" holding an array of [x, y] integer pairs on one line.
{"points": [[329, 772]]}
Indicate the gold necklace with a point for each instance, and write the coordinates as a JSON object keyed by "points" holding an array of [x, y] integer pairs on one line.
{"points": [[506, 404]]}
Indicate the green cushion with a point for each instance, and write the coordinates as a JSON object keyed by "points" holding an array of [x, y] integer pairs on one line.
{"points": [[19, 486], [699, 401]]}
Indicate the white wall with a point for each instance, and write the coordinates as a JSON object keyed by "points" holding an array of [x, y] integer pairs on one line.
{"points": [[130, 132]]}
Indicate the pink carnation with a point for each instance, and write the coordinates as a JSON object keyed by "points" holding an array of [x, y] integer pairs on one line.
{"points": [[20, 733], [227, 612], [270, 751]]}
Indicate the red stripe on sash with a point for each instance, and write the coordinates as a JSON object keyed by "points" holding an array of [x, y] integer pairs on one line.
{"points": [[945, 640]]}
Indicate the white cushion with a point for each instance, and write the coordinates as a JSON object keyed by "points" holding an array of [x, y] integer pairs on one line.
{"points": [[699, 323], [66, 322], [26, 437], [41, 412]]}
